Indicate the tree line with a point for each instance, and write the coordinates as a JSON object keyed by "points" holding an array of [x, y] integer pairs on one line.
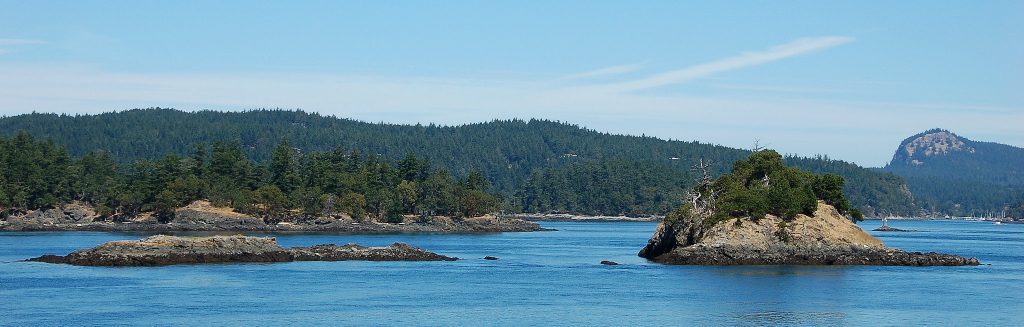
{"points": [[536, 165], [39, 174]]}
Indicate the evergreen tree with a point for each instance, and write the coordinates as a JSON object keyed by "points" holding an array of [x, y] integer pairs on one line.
{"points": [[284, 166]]}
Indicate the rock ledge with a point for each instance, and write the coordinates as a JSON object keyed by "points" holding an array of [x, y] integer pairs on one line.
{"points": [[162, 250], [203, 216]]}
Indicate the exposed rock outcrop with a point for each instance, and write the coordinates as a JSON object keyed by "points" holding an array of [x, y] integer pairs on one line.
{"points": [[203, 213], [161, 250], [575, 217], [202, 216], [394, 252], [71, 213], [919, 148], [827, 238]]}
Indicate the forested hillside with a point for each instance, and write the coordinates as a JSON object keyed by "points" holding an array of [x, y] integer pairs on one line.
{"points": [[605, 187], [609, 174], [507, 151], [950, 174]]}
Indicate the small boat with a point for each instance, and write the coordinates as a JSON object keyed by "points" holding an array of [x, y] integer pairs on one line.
{"points": [[997, 223]]}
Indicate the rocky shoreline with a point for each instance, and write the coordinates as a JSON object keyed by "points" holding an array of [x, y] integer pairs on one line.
{"points": [[572, 217], [702, 254], [827, 238], [162, 250], [201, 216]]}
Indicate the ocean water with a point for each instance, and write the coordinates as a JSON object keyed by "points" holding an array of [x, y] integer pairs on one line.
{"points": [[541, 279]]}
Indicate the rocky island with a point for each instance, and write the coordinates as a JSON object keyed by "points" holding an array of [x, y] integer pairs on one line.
{"points": [[764, 213], [161, 250], [202, 216], [886, 228]]}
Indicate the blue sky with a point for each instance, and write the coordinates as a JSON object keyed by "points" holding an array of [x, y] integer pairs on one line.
{"points": [[847, 79]]}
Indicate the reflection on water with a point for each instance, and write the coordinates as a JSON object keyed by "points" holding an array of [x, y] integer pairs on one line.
{"points": [[776, 318], [817, 271]]}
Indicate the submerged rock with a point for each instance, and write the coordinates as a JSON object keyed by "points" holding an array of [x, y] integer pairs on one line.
{"points": [[490, 258], [161, 250], [827, 238], [609, 263]]}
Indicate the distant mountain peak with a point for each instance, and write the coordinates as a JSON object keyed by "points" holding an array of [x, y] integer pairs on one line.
{"points": [[917, 149], [940, 154]]}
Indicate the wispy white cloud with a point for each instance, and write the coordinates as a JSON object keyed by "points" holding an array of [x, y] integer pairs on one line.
{"points": [[19, 41], [781, 88], [16, 42], [605, 72], [793, 48]]}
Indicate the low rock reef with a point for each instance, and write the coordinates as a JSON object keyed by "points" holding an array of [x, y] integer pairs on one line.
{"points": [[827, 238], [586, 218], [202, 216], [162, 250], [891, 229]]}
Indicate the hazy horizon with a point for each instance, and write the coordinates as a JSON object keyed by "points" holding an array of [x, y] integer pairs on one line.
{"points": [[848, 80]]}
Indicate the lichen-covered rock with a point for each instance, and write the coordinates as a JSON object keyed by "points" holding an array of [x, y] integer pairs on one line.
{"points": [[71, 213], [394, 252], [161, 250], [203, 216], [705, 254], [490, 223], [203, 213], [827, 238]]}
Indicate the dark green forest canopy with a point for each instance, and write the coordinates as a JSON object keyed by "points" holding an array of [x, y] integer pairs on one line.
{"points": [[605, 187], [1016, 211], [610, 174], [506, 150], [40, 174]]}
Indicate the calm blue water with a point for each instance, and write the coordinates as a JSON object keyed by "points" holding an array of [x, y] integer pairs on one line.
{"points": [[549, 278]]}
